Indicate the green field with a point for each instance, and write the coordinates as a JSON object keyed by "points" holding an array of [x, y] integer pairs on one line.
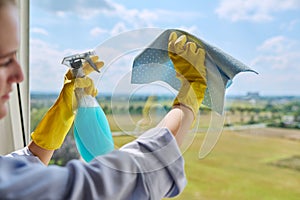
{"points": [[254, 164], [242, 166]]}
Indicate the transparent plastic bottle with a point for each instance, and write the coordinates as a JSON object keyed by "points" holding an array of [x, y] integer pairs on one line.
{"points": [[91, 129]]}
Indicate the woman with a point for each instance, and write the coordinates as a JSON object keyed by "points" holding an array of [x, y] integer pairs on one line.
{"points": [[151, 167]]}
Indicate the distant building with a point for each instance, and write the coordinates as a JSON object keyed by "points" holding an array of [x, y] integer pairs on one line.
{"points": [[253, 95], [287, 119]]}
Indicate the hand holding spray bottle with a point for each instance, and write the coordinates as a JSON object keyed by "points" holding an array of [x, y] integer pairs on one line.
{"points": [[91, 129]]}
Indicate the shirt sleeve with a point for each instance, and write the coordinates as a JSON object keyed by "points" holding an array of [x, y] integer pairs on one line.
{"points": [[151, 167], [26, 154]]}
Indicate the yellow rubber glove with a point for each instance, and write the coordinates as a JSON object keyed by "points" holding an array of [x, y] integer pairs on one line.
{"points": [[53, 128], [188, 60], [146, 121]]}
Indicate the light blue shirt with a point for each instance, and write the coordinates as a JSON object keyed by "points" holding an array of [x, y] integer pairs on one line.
{"points": [[151, 167]]}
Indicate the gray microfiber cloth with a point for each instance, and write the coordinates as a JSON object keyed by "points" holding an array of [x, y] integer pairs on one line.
{"points": [[154, 64]]}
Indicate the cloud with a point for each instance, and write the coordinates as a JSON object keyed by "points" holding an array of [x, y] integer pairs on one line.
{"points": [[118, 28], [95, 32], [254, 10], [126, 18], [39, 31], [278, 66], [46, 70], [290, 26], [276, 44], [84, 8], [278, 53], [137, 18]]}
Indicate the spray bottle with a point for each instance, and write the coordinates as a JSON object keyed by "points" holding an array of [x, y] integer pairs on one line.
{"points": [[91, 129]]}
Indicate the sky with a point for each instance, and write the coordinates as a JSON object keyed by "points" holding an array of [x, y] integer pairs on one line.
{"points": [[263, 34]]}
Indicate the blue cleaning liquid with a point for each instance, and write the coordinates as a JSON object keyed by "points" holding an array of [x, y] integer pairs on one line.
{"points": [[92, 133]]}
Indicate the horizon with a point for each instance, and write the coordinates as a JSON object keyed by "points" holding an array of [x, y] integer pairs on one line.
{"points": [[147, 94]]}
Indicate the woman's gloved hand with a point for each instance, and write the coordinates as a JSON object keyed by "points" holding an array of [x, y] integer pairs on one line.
{"points": [[52, 129], [188, 60]]}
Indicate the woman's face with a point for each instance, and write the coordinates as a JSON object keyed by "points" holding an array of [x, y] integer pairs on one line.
{"points": [[10, 70]]}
